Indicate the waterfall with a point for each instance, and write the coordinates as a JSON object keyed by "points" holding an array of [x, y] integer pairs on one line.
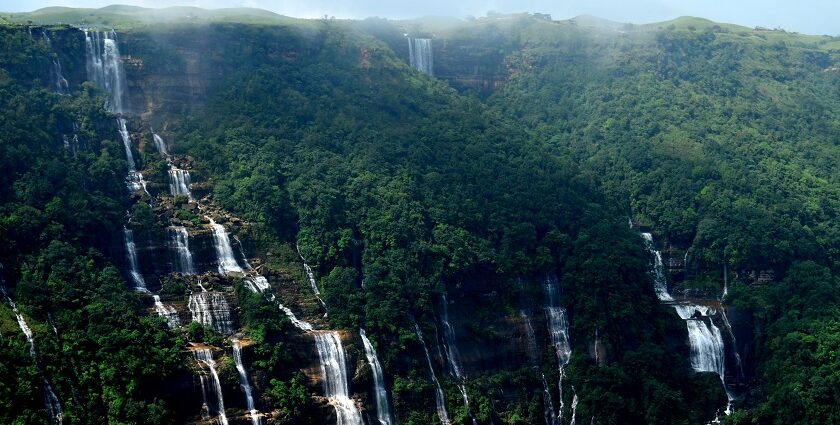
{"points": [[312, 283], [131, 253], [160, 145], [50, 399], [259, 285], [574, 407], [61, 86], [453, 357], [167, 312], [440, 399], [134, 180], [558, 330], [256, 419], [705, 342], [383, 409], [530, 338], [102, 59], [224, 253], [334, 371], [179, 242], [211, 310], [658, 271], [550, 416], [420, 54], [179, 183], [205, 357]]}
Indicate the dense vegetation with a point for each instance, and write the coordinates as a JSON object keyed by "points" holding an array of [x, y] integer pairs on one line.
{"points": [[58, 211], [400, 188]]}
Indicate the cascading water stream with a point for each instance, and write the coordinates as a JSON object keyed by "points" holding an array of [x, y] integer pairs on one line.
{"points": [[131, 254], [311, 275], [658, 271], [224, 252], [453, 357], [160, 145], [50, 399], [383, 409], [334, 371], [167, 312], [104, 67], [704, 337], [420, 54], [259, 285], [211, 310], [256, 419], [134, 180], [440, 399], [558, 330], [179, 242], [179, 183], [205, 357], [550, 415]]}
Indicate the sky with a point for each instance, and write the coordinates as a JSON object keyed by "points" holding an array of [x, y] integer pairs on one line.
{"points": [[805, 16]]}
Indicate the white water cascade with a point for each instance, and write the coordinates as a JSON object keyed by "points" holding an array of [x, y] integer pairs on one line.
{"points": [[179, 182], [61, 86], [420, 54], [104, 67], [179, 242], [259, 284], [256, 419], [550, 415], [453, 357], [659, 281], [131, 253], [312, 283], [558, 330], [204, 357], [211, 310], [50, 399], [134, 180], [705, 339], [383, 409], [334, 371], [167, 312], [160, 145], [440, 399], [224, 252]]}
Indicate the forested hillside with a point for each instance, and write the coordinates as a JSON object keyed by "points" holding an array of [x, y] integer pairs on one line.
{"points": [[237, 217]]}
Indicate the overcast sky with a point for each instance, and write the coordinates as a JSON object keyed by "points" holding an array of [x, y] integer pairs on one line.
{"points": [[806, 16]]}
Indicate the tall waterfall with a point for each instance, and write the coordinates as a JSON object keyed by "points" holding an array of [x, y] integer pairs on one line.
{"points": [[50, 399], [179, 183], [420, 54], [131, 253], [134, 180], [179, 242], [383, 409], [167, 312], [659, 281], [550, 415], [453, 357], [60, 83], [211, 310], [102, 57], [204, 357], [440, 399], [256, 419], [705, 339], [224, 252], [558, 330], [705, 342], [334, 371]]}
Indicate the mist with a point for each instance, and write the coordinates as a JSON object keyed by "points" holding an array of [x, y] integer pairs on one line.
{"points": [[811, 16]]}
